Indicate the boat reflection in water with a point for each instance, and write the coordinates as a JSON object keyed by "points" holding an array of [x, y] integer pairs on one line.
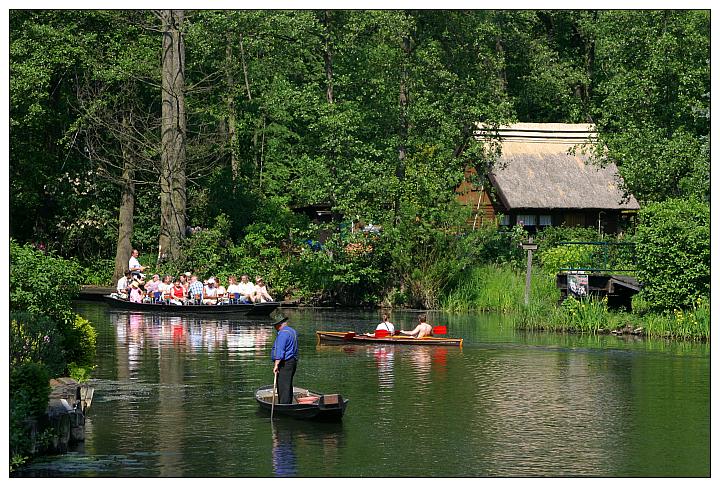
{"points": [[384, 357], [137, 331]]}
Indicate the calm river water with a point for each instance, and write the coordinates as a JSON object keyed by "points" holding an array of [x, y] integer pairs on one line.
{"points": [[174, 398]]}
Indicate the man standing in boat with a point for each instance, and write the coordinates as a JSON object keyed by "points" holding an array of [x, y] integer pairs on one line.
{"points": [[135, 268], [284, 355]]}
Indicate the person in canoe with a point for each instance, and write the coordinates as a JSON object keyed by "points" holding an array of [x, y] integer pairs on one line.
{"points": [[123, 285], [210, 292], [261, 292], [246, 289], [195, 290], [384, 326], [421, 330], [178, 293], [136, 293], [284, 355]]}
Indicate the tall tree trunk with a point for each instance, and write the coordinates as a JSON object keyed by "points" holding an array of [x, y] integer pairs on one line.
{"points": [[230, 106], [327, 55], [127, 212], [404, 100], [172, 171]]}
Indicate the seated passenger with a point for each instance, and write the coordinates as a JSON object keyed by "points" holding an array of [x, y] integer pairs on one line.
{"points": [[233, 290], [178, 293], [195, 290], [261, 292], [421, 330], [165, 289], [123, 285], [136, 294], [222, 292], [386, 325], [210, 292], [152, 286], [184, 281], [246, 289]]}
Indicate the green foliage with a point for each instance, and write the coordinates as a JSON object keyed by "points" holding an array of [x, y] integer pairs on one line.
{"points": [[673, 249], [568, 256], [98, 272], [42, 283], [30, 384], [29, 392], [292, 108], [80, 340], [653, 97], [549, 237], [79, 373], [36, 339], [499, 288], [347, 270], [205, 252]]}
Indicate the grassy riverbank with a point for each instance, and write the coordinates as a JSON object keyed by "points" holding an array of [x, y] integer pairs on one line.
{"points": [[499, 288]]}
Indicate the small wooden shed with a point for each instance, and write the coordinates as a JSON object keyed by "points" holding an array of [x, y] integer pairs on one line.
{"points": [[543, 177]]}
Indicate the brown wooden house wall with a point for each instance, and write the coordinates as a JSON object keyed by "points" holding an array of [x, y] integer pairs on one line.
{"points": [[488, 210]]}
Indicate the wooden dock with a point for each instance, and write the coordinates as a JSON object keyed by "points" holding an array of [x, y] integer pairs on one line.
{"points": [[619, 289]]}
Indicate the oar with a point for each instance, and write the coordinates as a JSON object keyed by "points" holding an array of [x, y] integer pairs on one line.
{"points": [[272, 406]]}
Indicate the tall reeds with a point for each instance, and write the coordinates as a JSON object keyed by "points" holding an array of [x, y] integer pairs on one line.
{"points": [[498, 288]]}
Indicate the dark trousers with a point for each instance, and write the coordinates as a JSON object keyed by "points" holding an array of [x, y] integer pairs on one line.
{"points": [[286, 371]]}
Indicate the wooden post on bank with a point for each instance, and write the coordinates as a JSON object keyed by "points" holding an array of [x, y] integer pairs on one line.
{"points": [[529, 246]]}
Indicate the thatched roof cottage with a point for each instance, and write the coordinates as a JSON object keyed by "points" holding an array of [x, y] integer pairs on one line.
{"points": [[543, 178]]}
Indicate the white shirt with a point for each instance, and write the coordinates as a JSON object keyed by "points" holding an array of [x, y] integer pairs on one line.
{"points": [[134, 264], [122, 284], [386, 325], [246, 288], [233, 288]]}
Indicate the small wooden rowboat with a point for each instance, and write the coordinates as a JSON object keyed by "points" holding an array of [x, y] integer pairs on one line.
{"points": [[306, 404], [352, 337], [255, 309]]}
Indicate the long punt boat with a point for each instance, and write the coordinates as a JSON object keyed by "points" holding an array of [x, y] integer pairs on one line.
{"points": [[352, 337], [255, 309], [306, 404]]}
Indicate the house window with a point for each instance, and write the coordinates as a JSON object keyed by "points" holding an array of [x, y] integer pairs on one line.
{"points": [[545, 220], [527, 220], [504, 220]]}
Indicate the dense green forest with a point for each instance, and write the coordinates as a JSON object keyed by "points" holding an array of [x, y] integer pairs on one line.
{"points": [[128, 129], [371, 112]]}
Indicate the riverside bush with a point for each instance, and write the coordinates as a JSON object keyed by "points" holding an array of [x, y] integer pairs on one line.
{"points": [[673, 254], [36, 339], [29, 392], [42, 283]]}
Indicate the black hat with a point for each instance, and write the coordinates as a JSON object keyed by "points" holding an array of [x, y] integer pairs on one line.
{"points": [[282, 321]]}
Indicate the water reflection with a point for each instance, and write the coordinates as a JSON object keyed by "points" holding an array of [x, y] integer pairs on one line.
{"points": [[384, 357], [283, 452], [175, 396], [137, 331], [293, 439]]}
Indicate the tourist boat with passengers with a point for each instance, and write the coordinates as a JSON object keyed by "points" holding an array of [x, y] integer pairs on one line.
{"points": [[253, 309], [306, 404], [382, 336]]}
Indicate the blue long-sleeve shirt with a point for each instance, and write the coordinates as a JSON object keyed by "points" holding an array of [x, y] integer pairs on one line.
{"points": [[286, 345]]}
